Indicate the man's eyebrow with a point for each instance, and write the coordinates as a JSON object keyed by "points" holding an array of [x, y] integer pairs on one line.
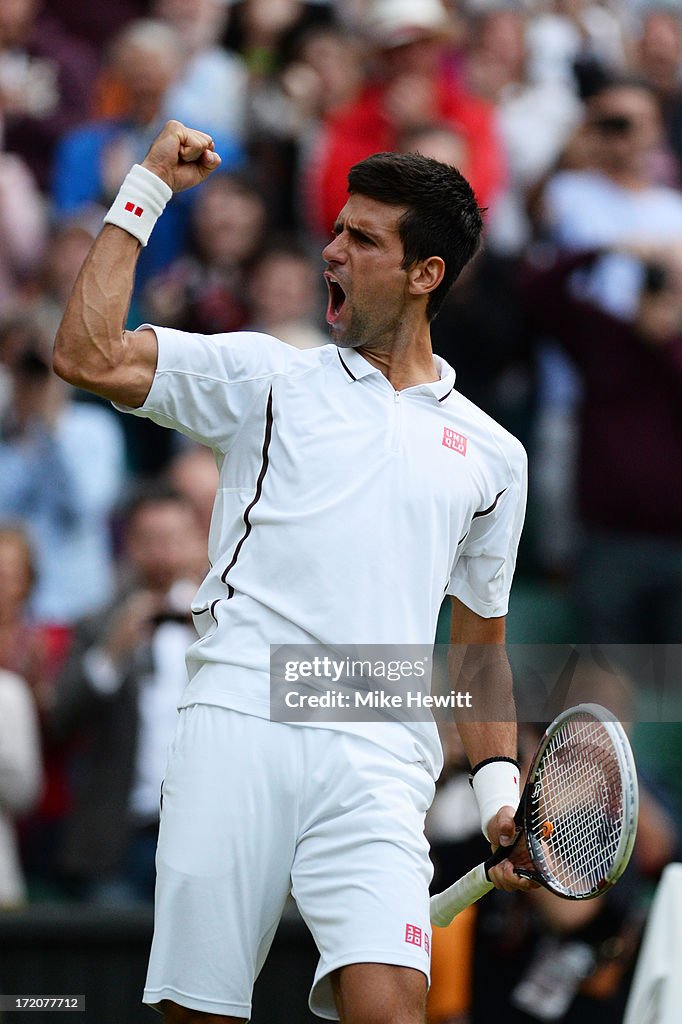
{"points": [[359, 230]]}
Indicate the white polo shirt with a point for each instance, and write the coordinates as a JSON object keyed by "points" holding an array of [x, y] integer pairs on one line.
{"points": [[345, 510]]}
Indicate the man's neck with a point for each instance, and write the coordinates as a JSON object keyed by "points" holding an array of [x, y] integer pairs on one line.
{"points": [[405, 365]]}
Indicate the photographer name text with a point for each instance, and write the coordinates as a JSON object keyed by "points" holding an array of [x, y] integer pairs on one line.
{"points": [[377, 699]]}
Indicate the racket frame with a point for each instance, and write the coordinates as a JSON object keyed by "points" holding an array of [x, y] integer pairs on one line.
{"points": [[522, 818]]}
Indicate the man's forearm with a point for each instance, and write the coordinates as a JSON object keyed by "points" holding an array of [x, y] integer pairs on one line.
{"points": [[488, 728], [92, 348]]}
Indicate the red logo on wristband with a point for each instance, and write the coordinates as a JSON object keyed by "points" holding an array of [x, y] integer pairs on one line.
{"points": [[131, 208]]}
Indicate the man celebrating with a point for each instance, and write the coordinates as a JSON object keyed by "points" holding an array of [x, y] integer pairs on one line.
{"points": [[356, 488]]}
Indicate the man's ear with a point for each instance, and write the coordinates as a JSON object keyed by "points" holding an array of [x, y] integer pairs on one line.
{"points": [[425, 276]]}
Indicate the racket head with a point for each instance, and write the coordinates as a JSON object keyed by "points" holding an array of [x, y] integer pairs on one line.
{"points": [[580, 804]]}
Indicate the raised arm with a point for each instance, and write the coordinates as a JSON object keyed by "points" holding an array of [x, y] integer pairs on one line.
{"points": [[92, 349]]}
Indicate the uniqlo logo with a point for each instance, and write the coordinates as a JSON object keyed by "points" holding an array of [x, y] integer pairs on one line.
{"points": [[131, 208], [427, 945], [454, 441], [413, 935]]}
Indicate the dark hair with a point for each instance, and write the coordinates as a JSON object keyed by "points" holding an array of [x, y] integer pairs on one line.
{"points": [[150, 493], [656, 279], [442, 217], [610, 82]]}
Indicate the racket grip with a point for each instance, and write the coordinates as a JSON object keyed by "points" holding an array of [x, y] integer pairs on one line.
{"points": [[444, 906]]}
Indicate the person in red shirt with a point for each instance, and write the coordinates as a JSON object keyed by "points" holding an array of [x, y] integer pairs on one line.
{"points": [[414, 85]]}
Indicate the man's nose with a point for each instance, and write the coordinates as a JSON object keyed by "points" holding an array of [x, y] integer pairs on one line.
{"points": [[334, 251]]}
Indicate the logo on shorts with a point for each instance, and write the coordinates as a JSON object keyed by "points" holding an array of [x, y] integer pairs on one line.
{"points": [[131, 208], [454, 441], [413, 935]]}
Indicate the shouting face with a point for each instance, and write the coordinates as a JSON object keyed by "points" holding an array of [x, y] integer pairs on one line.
{"points": [[368, 285]]}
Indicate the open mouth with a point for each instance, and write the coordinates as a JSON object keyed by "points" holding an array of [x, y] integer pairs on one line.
{"points": [[337, 298]]}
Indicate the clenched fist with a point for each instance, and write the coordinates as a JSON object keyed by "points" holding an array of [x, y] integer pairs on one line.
{"points": [[182, 157]]}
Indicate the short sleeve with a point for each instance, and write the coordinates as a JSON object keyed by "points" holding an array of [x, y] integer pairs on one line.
{"points": [[482, 575], [205, 384]]}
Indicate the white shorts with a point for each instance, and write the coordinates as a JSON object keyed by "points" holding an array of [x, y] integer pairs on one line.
{"points": [[253, 810]]}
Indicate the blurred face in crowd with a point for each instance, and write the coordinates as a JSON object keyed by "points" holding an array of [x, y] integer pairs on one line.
{"points": [[421, 56], [283, 289], [661, 50], [200, 22], [336, 60], [146, 68], [194, 474], [161, 543], [16, 18], [65, 257], [502, 38], [228, 222], [16, 571], [440, 143], [266, 20], [625, 122]]}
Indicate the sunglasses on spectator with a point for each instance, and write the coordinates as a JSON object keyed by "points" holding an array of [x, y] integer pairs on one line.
{"points": [[613, 124]]}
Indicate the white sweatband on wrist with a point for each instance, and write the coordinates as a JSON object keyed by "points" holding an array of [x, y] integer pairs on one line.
{"points": [[140, 202], [496, 784]]}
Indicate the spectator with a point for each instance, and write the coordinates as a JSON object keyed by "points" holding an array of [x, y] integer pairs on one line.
{"points": [[413, 86], [573, 38], [629, 565], [616, 200], [485, 342], [193, 474], [23, 227], [205, 288], [118, 694], [611, 202], [265, 32], [92, 160], [326, 72], [97, 23], [211, 89], [20, 778], [535, 118], [45, 75], [660, 62], [68, 246], [284, 291], [61, 466], [35, 652], [23, 643]]}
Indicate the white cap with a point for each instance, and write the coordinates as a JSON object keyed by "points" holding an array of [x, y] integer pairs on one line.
{"points": [[395, 22]]}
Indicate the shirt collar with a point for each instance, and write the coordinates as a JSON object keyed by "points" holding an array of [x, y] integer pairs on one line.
{"points": [[356, 367]]}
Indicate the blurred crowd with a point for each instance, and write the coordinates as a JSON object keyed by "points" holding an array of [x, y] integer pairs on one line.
{"points": [[566, 116]]}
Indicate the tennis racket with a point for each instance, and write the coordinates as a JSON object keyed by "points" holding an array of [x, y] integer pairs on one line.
{"points": [[577, 818]]}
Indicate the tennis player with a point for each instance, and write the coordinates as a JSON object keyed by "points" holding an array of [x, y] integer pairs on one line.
{"points": [[357, 487]]}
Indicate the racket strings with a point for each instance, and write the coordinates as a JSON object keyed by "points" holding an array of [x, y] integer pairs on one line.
{"points": [[577, 808]]}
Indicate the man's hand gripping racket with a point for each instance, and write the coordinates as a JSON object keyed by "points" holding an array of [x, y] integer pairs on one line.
{"points": [[577, 817]]}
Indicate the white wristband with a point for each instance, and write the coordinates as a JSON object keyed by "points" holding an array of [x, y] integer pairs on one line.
{"points": [[140, 202], [496, 784]]}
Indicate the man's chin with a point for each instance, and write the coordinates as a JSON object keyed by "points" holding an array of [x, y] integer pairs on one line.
{"points": [[342, 338]]}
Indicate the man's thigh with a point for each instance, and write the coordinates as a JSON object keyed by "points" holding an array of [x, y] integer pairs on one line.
{"points": [[226, 844], [362, 870]]}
